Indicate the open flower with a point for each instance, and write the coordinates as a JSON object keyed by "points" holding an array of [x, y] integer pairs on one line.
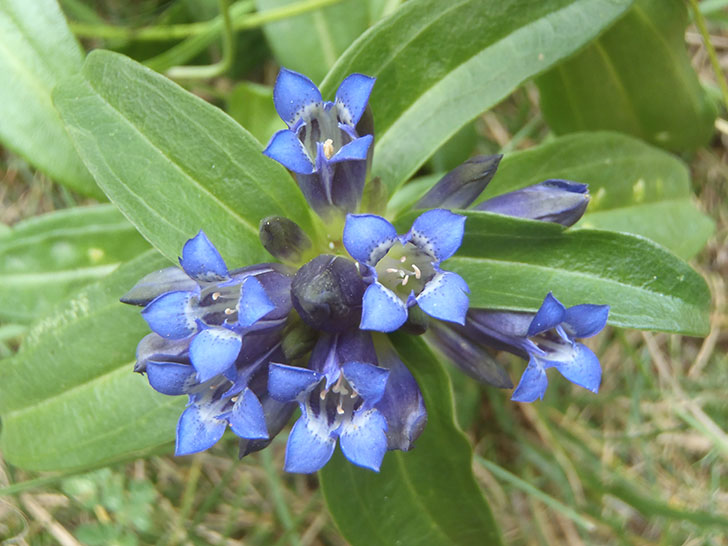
{"points": [[548, 340], [404, 270], [322, 145]]}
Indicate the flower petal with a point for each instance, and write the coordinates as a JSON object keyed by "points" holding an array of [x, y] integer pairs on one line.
{"points": [[382, 310], [368, 237], [550, 314], [201, 260], [170, 279], [254, 303], [445, 297], [171, 315], [438, 232], [355, 150], [364, 439], [247, 418], [353, 95], [585, 320], [292, 93], [310, 446], [214, 351], [532, 385], [367, 379], [583, 369], [158, 348], [197, 430], [170, 377], [287, 383], [287, 150]]}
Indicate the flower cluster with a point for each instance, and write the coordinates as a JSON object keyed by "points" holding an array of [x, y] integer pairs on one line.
{"points": [[251, 345]]}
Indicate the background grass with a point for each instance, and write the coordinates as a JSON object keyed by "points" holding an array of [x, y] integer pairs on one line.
{"points": [[644, 462]]}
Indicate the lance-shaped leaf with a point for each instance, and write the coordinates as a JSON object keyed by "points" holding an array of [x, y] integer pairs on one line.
{"points": [[46, 258], [636, 79], [173, 163], [412, 499], [429, 84], [69, 399], [37, 50], [634, 187], [511, 263]]}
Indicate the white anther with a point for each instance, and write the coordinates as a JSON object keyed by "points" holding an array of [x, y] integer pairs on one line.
{"points": [[215, 296], [339, 409], [229, 311], [234, 399], [322, 394], [403, 259], [418, 273], [404, 280], [328, 148], [331, 245], [393, 270]]}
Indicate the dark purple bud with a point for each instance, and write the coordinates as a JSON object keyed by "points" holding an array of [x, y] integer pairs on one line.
{"points": [[469, 354], [327, 292], [170, 279], [461, 186], [558, 201], [283, 238]]}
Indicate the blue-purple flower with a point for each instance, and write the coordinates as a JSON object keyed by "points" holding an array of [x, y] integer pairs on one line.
{"points": [[345, 396], [548, 340], [322, 145], [404, 270]]}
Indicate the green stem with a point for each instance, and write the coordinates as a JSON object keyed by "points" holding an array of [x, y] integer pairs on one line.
{"points": [[700, 22], [181, 31]]}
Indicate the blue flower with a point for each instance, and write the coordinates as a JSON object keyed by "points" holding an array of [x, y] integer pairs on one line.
{"points": [[322, 145], [345, 396], [404, 270], [211, 306], [548, 340]]}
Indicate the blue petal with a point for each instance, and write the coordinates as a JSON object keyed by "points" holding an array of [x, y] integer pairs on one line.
{"points": [[150, 286], [382, 310], [353, 95], [247, 418], [355, 150], [550, 314], [254, 303], [445, 297], [213, 351], [310, 446], [197, 430], [171, 315], [201, 260], [287, 383], [585, 320], [368, 237], [292, 93], [438, 232], [532, 385], [367, 379], [364, 439], [583, 369], [170, 377], [287, 150]]}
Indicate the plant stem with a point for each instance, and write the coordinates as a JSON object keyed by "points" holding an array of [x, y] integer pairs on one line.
{"points": [[700, 22]]}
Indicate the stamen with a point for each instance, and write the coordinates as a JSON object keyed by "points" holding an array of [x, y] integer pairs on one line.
{"points": [[323, 394], [328, 148], [393, 270], [229, 311], [215, 296], [418, 273], [403, 259], [405, 279], [234, 399], [340, 409]]}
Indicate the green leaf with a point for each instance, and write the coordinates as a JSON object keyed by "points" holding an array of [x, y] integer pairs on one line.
{"points": [[635, 187], [425, 496], [440, 64], [173, 163], [36, 51], [510, 263], [310, 43], [251, 105], [637, 79], [46, 258], [64, 403]]}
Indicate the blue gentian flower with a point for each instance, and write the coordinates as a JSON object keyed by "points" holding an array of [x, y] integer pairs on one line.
{"points": [[322, 145], [404, 270], [559, 201], [548, 340]]}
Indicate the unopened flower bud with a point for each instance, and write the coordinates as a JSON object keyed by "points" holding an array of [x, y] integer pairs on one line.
{"points": [[283, 239], [461, 186]]}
